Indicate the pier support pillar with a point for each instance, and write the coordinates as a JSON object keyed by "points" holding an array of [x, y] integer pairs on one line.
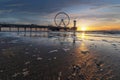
{"points": [[30, 31], [18, 29], [0, 28], [25, 31], [35, 29], [10, 29]]}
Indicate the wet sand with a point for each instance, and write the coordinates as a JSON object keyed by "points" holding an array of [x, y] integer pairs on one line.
{"points": [[58, 56]]}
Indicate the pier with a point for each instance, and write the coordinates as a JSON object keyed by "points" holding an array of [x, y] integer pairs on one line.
{"points": [[31, 27]]}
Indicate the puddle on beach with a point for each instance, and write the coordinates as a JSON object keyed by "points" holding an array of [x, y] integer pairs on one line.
{"points": [[59, 56]]}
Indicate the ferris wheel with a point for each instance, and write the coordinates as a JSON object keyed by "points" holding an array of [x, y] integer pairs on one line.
{"points": [[62, 19]]}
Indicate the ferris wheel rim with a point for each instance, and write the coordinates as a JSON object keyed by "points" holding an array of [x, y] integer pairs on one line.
{"points": [[65, 15]]}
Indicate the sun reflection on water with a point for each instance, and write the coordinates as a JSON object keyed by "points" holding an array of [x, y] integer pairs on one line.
{"points": [[83, 46], [82, 36], [91, 66]]}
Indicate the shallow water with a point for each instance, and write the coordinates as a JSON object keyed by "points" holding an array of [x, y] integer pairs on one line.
{"points": [[59, 56]]}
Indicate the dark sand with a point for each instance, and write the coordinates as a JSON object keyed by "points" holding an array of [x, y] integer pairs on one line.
{"points": [[48, 57]]}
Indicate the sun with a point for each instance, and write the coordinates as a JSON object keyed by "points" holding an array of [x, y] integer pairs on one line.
{"points": [[83, 28]]}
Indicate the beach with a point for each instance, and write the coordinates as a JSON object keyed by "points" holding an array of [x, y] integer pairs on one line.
{"points": [[59, 56]]}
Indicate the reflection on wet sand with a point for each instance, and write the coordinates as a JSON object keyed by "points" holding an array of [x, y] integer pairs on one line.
{"points": [[57, 57], [91, 67]]}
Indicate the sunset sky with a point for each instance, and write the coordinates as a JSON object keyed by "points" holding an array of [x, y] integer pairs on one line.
{"points": [[90, 14]]}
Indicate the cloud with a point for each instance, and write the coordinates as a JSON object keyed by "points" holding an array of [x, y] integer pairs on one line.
{"points": [[41, 11], [15, 5], [42, 6], [105, 6], [5, 11], [25, 9]]}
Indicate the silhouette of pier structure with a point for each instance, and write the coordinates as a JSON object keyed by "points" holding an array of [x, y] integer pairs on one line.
{"points": [[61, 25], [32, 27]]}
